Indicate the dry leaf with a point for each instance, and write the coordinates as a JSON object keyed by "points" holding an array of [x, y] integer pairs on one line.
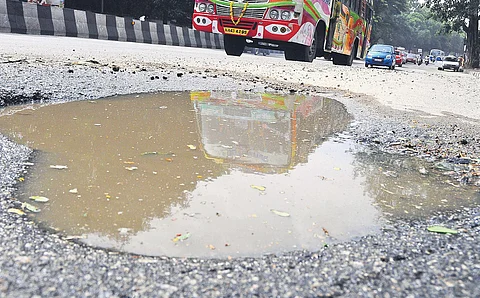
{"points": [[39, 199], [58, 167], [30, 208], [150, 153], [258, 187], [280, 213], [181, 237], [16, 211]]}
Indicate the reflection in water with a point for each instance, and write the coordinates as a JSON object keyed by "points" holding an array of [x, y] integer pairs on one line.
{"points": [[147, 170], [265, 132], [410, 187]]}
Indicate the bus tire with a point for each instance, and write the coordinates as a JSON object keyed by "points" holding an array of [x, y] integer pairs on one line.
{"points": [[296, 52], [234, 45], [340, 59], [321, 29], [353, 53], [346, 60]]}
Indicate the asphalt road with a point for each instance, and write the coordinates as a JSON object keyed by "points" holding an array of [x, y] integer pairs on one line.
{"points": [[416, 110]]}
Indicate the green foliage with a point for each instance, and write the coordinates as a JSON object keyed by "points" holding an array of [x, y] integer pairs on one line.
{"points": [[406, 23], [461, 15]]}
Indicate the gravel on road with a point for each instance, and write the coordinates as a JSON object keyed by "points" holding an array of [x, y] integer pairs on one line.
{"points": [[403, 260]]}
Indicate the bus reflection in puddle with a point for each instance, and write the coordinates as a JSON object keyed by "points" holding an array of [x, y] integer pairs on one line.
{"points": [[206, 174]]}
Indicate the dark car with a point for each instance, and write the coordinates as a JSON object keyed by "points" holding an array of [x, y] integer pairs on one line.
{"points": [[381, 55]]}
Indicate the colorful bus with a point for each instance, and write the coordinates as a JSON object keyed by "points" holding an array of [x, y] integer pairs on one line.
{"points": [[303, 29]]}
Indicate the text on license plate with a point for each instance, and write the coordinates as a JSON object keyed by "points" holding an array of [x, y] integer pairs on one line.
{"points": [[235, 31], [377, 60]]}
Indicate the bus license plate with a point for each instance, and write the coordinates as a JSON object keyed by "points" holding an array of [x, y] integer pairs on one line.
{"points": [[235, 31]]}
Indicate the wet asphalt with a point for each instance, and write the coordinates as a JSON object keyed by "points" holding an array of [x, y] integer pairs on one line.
{"points": [[403, 260]]}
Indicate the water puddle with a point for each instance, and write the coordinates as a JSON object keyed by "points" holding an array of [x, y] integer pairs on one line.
{"points": [[215, 174]]}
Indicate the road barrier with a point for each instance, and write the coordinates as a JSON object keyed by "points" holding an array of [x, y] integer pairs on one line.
{"points": [[27, 18]]}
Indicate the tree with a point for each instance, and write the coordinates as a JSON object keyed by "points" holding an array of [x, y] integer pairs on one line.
{"points": [[461, 15], [408, 24], [385, 22]]}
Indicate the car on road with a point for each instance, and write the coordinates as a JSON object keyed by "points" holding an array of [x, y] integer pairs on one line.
{"points": [[450, 62], [411, 57], [381, 55], [404, 57], [398, 58]]}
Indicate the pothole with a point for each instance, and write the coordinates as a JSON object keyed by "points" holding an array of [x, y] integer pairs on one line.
{"points": [[216, 174]]}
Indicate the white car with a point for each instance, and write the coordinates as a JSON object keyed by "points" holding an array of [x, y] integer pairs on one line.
{"points": [[450, 62]]}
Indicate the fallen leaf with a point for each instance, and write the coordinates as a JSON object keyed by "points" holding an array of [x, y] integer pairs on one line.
{"points": [[58, 167], [30, 208], [260, 188], [192, 147], [16, 211], [39, 199], [443, 230], [75, 237], [211, 247], [280, 213], [325, 231], [150, 153], [337, 169], [169, 159], [181, 237]]}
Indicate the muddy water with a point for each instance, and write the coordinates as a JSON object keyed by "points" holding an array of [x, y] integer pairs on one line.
{"points": [[215, 174]]}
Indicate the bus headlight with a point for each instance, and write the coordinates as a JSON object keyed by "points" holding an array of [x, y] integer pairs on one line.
{"points": [[286, 15], [202, 7], [273, 14], [210, 8]]}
